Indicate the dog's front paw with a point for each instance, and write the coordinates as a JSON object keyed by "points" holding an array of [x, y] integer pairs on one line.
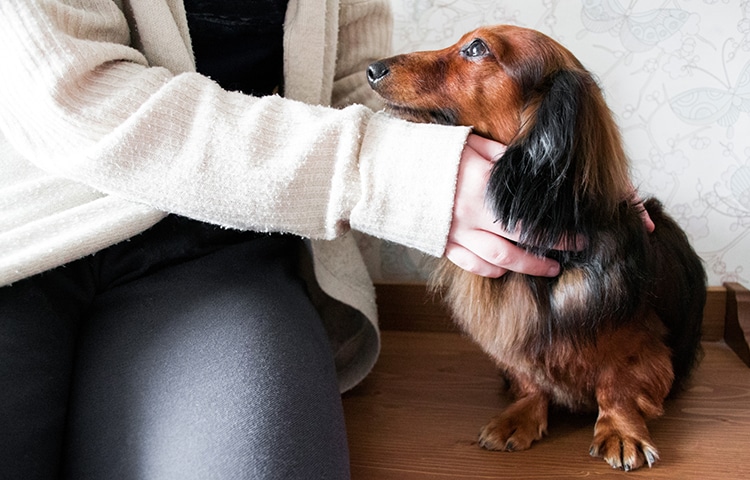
{"points": [[623, 451], [511, 433]]}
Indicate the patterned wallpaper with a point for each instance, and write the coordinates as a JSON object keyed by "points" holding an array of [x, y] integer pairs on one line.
{"points": [[676, 73]]}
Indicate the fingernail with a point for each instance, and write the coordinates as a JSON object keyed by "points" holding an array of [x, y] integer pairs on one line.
{"points": [[554, 270]]}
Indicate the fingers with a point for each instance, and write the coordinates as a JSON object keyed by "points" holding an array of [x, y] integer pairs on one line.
{"points": [[488, 149], [466, 260], [486, 254], [645, 217]]}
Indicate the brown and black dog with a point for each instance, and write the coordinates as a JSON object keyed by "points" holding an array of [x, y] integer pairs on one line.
{"points": [[619, 328]]}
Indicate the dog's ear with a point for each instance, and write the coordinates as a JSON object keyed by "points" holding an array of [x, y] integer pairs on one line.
{"points": [[550, 181]]}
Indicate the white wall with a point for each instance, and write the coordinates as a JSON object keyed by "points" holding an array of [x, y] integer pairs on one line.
{"points": [[677, 76]]}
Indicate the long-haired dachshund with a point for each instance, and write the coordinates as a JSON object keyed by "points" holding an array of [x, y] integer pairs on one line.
{"points": [[619, 328]]}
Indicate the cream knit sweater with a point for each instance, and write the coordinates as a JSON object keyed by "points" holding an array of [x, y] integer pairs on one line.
{"points": [[104, 126]]}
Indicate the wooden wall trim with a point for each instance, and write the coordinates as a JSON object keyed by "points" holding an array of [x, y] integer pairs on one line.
{"points": [[411, 307], [714, 314], [737, 324]]}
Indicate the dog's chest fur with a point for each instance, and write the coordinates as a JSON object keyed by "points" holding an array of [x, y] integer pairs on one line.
{"points": [[518, 340]]}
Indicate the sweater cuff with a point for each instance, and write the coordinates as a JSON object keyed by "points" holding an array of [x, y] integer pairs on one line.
{"points": [[408, 173]]}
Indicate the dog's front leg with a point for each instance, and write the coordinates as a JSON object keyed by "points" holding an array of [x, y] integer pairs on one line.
{"points": [[630, 390], [519, 425], [622, 439]]}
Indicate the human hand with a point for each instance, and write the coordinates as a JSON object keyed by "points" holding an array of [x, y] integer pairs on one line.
{"points": [[476, 242], [645, 217]]}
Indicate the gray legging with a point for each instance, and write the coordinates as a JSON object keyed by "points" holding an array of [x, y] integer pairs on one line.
{"points": [[188, 352]]}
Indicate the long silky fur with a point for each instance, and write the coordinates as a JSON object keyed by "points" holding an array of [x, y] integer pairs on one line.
{"points": [[630, 301], [551, 179], [563, 177], [544, 187], [534, 183]]}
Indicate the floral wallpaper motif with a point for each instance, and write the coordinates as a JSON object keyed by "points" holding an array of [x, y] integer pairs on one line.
{"points": [[676, 73]]}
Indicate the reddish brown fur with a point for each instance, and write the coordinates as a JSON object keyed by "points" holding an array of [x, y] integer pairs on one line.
{"points": [[487, 98], [626, 369]]}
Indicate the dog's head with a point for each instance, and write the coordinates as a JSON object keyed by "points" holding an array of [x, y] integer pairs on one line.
{"points": [[564, 171]]}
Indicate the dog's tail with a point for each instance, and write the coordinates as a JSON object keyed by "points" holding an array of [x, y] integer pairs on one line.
{"points": [[678, 293]]}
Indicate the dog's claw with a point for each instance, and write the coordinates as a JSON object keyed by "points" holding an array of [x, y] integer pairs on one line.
{"points": [[626, 455], [651, 456]]}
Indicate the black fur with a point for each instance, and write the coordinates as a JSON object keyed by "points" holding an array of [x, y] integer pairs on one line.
{"points": [[678, 290], [616, 277], [534, 183], [535, 187]]}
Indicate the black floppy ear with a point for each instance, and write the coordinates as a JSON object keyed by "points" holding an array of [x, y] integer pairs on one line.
{"points": [[533, 185]]}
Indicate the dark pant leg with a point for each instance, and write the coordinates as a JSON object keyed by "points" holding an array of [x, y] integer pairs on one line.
{"points": [[38, 321], [214, 368]]}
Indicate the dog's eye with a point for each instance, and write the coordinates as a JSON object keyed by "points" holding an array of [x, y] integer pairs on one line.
{"points": [[476, 49]]}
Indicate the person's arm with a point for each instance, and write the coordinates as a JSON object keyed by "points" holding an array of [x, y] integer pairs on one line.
{"points": [[78, 101]]}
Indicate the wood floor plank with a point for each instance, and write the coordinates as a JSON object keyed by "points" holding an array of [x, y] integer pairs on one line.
{"points": [[418, 414]]}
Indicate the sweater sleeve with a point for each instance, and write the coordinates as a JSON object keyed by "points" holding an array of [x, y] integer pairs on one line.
{"points": [[79, 102]]}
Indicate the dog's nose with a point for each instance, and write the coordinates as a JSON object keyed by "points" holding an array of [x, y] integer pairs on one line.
{"points": [[376, 71]]}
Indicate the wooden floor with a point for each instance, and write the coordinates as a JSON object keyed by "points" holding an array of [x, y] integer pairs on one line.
{"points": [[418, 414]]}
